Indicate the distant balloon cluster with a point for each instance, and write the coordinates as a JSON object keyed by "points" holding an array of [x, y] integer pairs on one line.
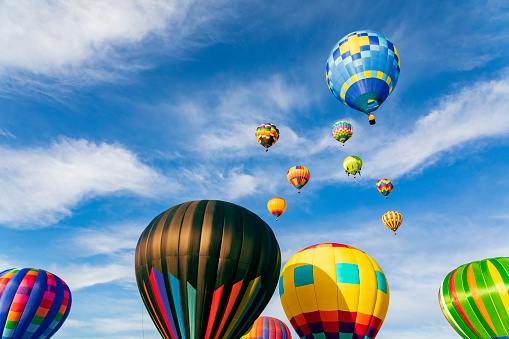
{"points": [[206, 269]]}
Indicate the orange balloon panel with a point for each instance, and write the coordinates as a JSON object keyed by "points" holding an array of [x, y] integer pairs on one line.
{"points": [[268, 328]]}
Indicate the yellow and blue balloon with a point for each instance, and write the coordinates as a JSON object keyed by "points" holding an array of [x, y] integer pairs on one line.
{"points": [[362, 70], [334, 291]]}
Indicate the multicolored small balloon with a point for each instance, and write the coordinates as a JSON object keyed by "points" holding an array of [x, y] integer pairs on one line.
{"points": [[267, 135], [392, 220], [33, 303], [276, 206], [268, 328], [298, 176], [352, 165], [342, 131], [384, 186]]}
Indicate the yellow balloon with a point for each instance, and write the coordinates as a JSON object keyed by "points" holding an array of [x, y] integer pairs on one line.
{"points": [[276, 206], [330, 290]]}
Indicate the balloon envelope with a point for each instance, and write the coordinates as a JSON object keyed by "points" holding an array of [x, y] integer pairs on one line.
{"points": [[268, 328], [334, 291], [267, 135], [298, 176], [352, 165], [392, 220], [33, 303], [475, 299], [362, 70], [276, 206], [206, 269], [384, 186], [342, 131]]}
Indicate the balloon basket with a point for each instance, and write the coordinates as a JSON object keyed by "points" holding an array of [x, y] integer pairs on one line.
{"points": [[372, 120]]}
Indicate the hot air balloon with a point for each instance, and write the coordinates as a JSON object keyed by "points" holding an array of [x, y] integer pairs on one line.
{"points": [[352, 165], [268, 328], [33, 303], [206, 269], [342, 131], [267, 135], [384, 186], [362, 70], [276, 206], [475, 299], [334, 291], [392, 220], [298, 176]]}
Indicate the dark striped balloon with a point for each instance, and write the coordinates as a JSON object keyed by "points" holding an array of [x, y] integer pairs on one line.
{"points": [[268, 328], [206, 269], [33, 303], [475, 299]]}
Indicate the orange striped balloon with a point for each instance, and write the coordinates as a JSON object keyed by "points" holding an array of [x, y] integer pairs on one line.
{"points": [[268, 328], [276, 206], [298, 176], [392, 220]]}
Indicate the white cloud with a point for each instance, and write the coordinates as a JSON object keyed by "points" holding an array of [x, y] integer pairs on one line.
{"points": [[458, 121], [81, 276], [40, 186], [52, 46]]}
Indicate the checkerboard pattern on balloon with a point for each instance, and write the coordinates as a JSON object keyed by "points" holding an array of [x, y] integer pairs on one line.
{"points": [[362, 70], [334, 291]]}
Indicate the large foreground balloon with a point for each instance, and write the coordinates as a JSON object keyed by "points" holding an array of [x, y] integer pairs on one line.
{"points": [[268, 328], [33, 303], [334, 291], [206, 269], [475, 299], [276, 206], [362, 70], [298, 176], [342, 131], [392, 220], [352, 165], [267, 135], [384, 186]]}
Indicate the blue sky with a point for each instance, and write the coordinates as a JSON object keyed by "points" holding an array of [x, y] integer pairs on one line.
{"points": [[113, 111]]}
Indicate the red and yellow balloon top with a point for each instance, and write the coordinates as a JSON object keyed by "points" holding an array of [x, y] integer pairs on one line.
{"points": [[334, 291], [276, 206], [268, 328], [298, 176]]}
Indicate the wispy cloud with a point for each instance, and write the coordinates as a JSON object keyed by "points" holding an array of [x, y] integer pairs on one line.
{"points": [[6, 133], [40, 186]]}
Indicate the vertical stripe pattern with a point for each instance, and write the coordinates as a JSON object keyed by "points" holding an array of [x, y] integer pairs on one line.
{"points": [[33, 303], [268, 328], [475, 300], [205, 269]]}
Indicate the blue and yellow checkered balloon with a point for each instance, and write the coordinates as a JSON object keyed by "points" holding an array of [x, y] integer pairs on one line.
{"points": [[362, 70]]}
